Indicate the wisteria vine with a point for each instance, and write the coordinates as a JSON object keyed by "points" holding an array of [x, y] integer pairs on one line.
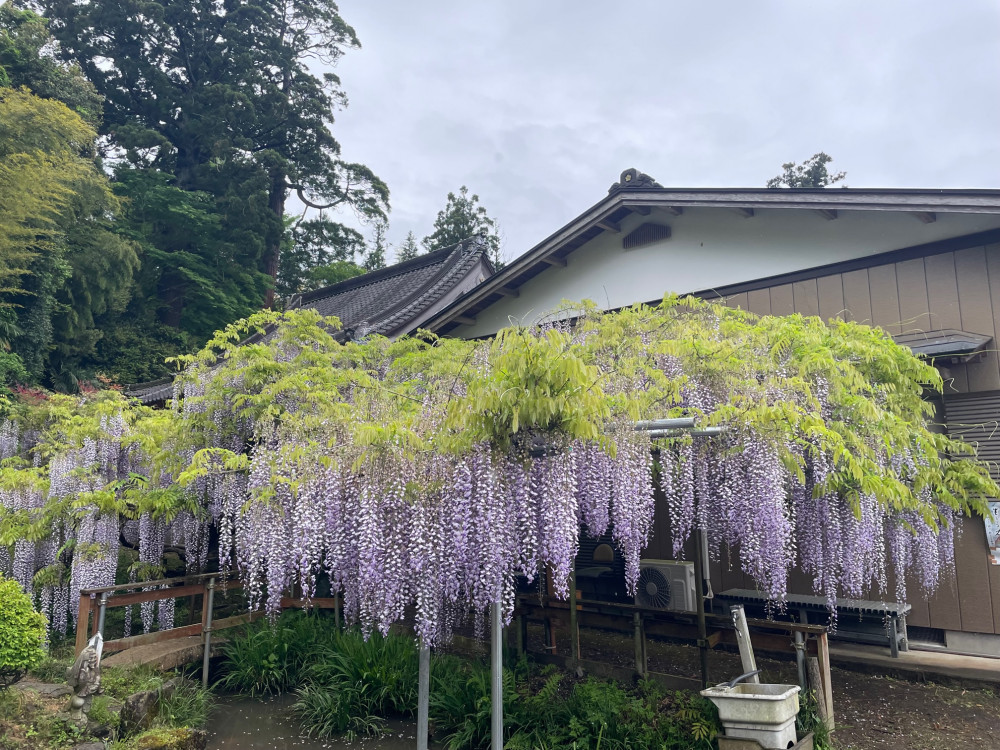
{"points": [[431, 475]]}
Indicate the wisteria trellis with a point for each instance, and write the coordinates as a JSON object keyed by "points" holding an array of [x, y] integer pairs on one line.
{"points": [[431, 474]]}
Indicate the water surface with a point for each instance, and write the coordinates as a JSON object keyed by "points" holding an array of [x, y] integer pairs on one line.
{"points": [[269, 724]]}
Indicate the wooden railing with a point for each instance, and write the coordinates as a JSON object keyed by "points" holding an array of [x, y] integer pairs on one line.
{"points": [[627, 618], [94, 604]]}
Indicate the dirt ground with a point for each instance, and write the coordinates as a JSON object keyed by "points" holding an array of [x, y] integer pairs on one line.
{"points": [[871, 710]]}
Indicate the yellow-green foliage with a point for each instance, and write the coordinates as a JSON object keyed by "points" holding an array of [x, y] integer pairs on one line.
{"points": [[841, 389], [42, 165], [22, 632]]}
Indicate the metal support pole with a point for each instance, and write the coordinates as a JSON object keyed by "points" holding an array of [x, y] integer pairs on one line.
{"points": [[699, 577], [423, 695], [207, 630], [100, 613], [800, 653], [496, 694], [574, 629]]}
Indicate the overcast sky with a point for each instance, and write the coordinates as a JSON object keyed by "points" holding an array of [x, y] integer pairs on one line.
{"points": [[538, 106]]}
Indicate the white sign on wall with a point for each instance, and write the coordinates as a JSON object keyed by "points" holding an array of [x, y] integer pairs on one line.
{"points": [[993, 532]]}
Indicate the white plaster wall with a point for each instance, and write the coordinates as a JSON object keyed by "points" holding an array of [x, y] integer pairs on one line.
{"points": [[713, 247]]}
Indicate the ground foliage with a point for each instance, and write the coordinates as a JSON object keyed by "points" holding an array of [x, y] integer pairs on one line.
{"points": [[431, 473], [347, 684]]}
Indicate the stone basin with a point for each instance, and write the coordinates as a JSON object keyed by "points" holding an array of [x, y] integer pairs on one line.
{"points": [[764, 712]]}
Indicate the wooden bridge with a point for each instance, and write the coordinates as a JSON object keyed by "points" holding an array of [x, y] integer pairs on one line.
{"points": [[168, 649]]}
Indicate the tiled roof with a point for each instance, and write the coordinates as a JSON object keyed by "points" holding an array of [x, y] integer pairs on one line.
{"points": [[152, 392], [385, 302]]}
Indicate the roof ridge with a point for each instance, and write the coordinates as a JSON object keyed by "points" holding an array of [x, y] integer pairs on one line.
{"points": [[448, 271]]}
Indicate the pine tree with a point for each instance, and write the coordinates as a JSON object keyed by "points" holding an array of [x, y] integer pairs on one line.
{"points": [[462, 218], [375, 258], [408, 249]]}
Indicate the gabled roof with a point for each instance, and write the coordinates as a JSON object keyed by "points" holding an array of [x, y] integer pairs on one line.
{"points": [[637, 193], [391, 301]]}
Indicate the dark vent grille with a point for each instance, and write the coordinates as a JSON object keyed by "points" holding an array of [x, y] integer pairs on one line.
{"points": [[930, 636], [645, 234], [976, 420]]}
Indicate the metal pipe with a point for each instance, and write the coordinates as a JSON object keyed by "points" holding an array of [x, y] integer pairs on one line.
{"points": [[665, 424], [743, 641], [496, 692], [703, 432], [574, 630], [207, 631], [101, 611], [423, 695], [800, 661]]}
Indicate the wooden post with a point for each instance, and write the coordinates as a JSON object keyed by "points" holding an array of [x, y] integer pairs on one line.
{"points": [[549, 635], [639, 637], [83, 622], [823, 652], [522, 635], [423, 695], [700, 566], [816, 683]]}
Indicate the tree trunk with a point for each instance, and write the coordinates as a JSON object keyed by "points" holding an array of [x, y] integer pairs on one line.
{"points": [[276, 203]]}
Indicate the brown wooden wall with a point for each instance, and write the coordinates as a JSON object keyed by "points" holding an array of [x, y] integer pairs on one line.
{"points": [[959, 289]]}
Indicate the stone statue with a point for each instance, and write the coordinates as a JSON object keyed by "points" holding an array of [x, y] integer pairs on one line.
{"points": [[85, 678]]}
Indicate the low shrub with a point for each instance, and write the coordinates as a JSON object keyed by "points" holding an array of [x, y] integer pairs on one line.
{"points": [[268, 658], [22, 633], [353, 683]]}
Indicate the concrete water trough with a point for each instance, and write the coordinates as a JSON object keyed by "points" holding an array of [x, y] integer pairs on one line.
{"points": [[761, 712]]}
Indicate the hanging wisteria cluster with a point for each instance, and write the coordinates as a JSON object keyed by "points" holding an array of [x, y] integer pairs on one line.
{"points": [[429, 476]]}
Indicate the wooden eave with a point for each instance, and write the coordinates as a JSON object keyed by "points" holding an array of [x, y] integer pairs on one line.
{"points": [[554, 251]]}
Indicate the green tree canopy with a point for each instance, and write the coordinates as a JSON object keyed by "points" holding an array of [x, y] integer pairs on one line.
{"points": [[812, 173], [315, 244], [224, 98]]}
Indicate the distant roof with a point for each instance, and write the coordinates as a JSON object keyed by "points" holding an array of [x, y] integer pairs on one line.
{"points": [[391, 301]]}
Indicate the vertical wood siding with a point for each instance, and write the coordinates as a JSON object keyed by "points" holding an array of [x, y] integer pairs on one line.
{"points": [[960, 290]]}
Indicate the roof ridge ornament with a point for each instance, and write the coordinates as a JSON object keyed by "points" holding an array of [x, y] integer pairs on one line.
{"points": [[633, 178]]}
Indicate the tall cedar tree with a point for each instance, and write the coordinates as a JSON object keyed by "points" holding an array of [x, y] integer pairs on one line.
{"points": [[222, 97], [463, 217]]}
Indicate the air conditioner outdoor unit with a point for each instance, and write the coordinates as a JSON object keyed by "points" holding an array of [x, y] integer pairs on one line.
{"points": [[666, 584]]}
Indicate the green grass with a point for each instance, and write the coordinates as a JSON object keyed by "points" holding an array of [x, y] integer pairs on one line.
{"points": [[188, 706]]}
